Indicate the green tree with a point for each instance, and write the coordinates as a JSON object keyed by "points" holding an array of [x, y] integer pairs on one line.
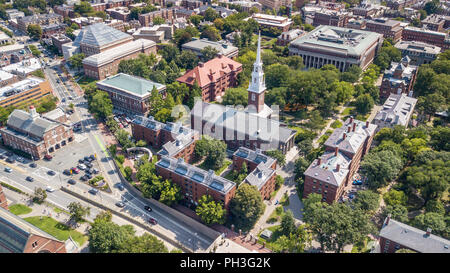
{"points": [[364, 104], [235, 96], [77, 60], [211, 15], [108, 237], [397, 212], [246, 207], [188, 59], [213, 150], [4, 114], [295, 242], [170, 194], [158, 20], [146, 243], [78, 211], [367, 200], [211, 33], [380, 168], [83, 8], [395, 198], [344, 91], [278, 155], [287, 223], [196, 19], [208, 53], [101, 105], [39, 195], [277, 75], [433, 220], [439, 138], [34, 31], [210, 211]]}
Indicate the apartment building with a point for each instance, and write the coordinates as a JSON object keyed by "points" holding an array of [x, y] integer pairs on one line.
{"points": [[147, 18], [426, 36], [38, 19], [419, 53], [274, 4], [389, 28], [24, 91]]}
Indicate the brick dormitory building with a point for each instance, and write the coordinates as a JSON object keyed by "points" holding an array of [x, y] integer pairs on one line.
{"points": [[34, 134], [399, 78], [332, 173]]}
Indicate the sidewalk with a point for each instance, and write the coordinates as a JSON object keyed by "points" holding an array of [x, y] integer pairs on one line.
{"points": [[241, 240]]}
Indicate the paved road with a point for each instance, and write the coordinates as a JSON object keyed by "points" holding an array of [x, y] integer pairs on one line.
{"points": [[171, 226]]}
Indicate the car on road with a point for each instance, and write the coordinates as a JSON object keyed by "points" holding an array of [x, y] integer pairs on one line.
{"points": [[357, 182], [120, 204], [29, 178], [50, 172], [120, 186], [152, 221], [63, 100], [66, 172], [10, 160], [50, 189], [71, 182], [147, 208], [20, 159], [33, 165], [93, 191], [75, 170], [8, 170], [48, 157], [82, 167], [84, 178]]}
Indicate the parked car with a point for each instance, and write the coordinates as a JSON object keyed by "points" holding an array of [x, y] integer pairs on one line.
{"points": [[71, 182], [92, 157], [84, 178], [152, 221], [75, 170], [81, 166], [8, 170], [147, 208], [357, 182], [29, 178], [8, 154], [33, 165], [81, 161], [89, 176], [120, 204], [48, 157], [50, 172], [120, 187], [20, 159], [89, 165], [95, 171], [10, 160], [93, 191], [50, 189], [2, 157], [66, 172]]}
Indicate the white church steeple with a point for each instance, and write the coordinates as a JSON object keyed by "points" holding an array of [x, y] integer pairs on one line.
{"points": [[257, 85]]}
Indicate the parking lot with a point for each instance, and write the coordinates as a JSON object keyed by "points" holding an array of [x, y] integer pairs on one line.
{"points": [[357, 184]]}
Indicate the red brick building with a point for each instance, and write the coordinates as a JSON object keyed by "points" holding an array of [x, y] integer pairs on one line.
{"points": [[19, 236], [173, 139], [399, 78], [261, 169], [389, 28], [34, 134], [195, 182], [331, 18], [395, 235], [213, 77], [333, 172], [147, 18], [426, 36], [105, 64]]}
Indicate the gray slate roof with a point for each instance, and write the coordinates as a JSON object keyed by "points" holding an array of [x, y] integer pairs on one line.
{"points": [[21, 120], [414, 238], [326, 171]]}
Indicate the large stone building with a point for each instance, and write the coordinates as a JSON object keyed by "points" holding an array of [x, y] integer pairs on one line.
{"points": [[397, 110], [222, 47], [106, 63], [195, 182], [269, 21], [274, 4], [399, 78], [157, 33], [389, 28], [341, 47], [147, 18], [19, 236], [419, 53], [395, 235], [331, 18], [35, 135], [173, 139], [128, 93], [252, 127], [436, 22], [213, 77], [287, 37], [15, 53], [331, 174], [24, 91]]}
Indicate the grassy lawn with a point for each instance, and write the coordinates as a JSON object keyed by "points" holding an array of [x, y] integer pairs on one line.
{"points": [[336, 124], [348, 111], [217, 172], [276, 215], [19, 209], [323, 138], [276, 232], [58, 210], [85, 80], [56, 229]]}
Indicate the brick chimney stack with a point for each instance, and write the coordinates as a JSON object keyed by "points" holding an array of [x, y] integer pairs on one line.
{"points": [[351, 119], [336, 150], [354, 126], [344, 136], [429, 231], [349, 129], [367, 124], [319, 160], [388, 218], [338, 167]]}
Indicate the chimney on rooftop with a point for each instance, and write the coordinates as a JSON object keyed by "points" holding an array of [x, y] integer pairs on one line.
{"points": [[349, 129], [387, 219], [351, 119], [354, 126], [33, 113], [429, 231], [336, 150], [367, 124], [200, 64], [344, 136], [338, 167], [319, 160]]}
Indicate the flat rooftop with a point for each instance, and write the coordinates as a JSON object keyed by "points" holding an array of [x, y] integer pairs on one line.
{"points": [[131, 84], [19, 87]]}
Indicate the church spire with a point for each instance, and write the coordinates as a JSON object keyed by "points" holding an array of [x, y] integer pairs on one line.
{"points": [[257, 86]]}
